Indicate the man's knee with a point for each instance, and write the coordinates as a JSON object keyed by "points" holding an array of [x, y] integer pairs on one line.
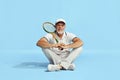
{"points": [[78, 48], [45, 49]]}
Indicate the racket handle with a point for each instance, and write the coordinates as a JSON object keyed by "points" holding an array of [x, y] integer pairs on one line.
{"points": [[60, 48], [56, 40], [54, 36]]}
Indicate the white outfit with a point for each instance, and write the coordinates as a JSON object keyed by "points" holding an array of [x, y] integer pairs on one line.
{"points": [[56, 56]]}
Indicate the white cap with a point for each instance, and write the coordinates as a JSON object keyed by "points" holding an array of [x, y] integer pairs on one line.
{"points": [[60, 20]]}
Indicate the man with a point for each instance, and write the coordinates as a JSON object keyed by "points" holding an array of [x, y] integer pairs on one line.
{"points": [[62, 54]]}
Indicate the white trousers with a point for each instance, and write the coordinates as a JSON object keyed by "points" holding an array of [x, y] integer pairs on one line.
{"points": [[68, 56]]}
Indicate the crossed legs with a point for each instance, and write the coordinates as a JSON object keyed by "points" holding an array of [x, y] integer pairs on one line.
{"points": [[56, 59]]}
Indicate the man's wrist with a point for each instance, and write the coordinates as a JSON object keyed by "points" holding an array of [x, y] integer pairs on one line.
{"points": [[52, 45], [68, 46]]}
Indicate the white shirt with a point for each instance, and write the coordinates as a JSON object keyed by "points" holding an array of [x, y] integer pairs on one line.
{"points": [[66, 39]]}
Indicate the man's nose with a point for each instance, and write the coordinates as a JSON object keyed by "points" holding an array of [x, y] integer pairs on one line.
{"points": [[60, 26]]}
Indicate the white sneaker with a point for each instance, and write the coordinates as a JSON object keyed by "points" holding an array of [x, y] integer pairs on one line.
{"points": [[52, 67], [65, 64], [71, 67]]}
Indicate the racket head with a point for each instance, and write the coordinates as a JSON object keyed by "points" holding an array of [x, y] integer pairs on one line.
{"points": [[48, 27]]}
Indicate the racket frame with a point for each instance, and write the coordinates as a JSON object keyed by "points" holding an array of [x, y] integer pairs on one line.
{"points": [[53, 33]]}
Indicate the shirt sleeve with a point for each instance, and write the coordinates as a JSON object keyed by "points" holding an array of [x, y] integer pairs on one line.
{"points": [[48, 37], [71, 36]]}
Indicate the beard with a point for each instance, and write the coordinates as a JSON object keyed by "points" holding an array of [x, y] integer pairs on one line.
{"points": [[60, 32]]}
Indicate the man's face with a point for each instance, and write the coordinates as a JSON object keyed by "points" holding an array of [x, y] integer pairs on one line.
{"points": [[60, 27]]}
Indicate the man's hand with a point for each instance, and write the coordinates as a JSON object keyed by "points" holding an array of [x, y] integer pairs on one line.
{"points": [[60, 45], [55, 45], [64, 46]]}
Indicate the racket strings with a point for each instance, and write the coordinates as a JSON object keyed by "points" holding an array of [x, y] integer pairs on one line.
{"points": [[49, 27]]}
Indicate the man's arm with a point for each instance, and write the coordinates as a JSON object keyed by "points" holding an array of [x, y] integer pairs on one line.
{"points": [[43, 43], [76, 43]]}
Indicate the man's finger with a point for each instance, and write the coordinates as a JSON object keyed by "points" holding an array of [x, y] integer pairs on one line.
{"points": [[62, 44]]}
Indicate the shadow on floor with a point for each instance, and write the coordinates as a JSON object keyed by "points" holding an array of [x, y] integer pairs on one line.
{"points": [[32, 65]]}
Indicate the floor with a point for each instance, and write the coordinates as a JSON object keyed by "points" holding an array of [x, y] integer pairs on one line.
{"points": [[32, 65]]}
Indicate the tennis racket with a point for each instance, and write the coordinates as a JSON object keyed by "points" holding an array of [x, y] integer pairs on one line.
{"points": [[50, 28]]}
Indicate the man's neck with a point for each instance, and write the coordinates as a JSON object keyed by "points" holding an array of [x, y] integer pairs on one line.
{"points": [[60, 35]]}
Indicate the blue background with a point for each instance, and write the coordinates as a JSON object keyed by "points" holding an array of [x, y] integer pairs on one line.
{"points": [[96, 22]]}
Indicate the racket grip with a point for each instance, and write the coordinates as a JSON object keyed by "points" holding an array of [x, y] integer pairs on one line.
{"points": [[57, 42], [60, 48]]}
